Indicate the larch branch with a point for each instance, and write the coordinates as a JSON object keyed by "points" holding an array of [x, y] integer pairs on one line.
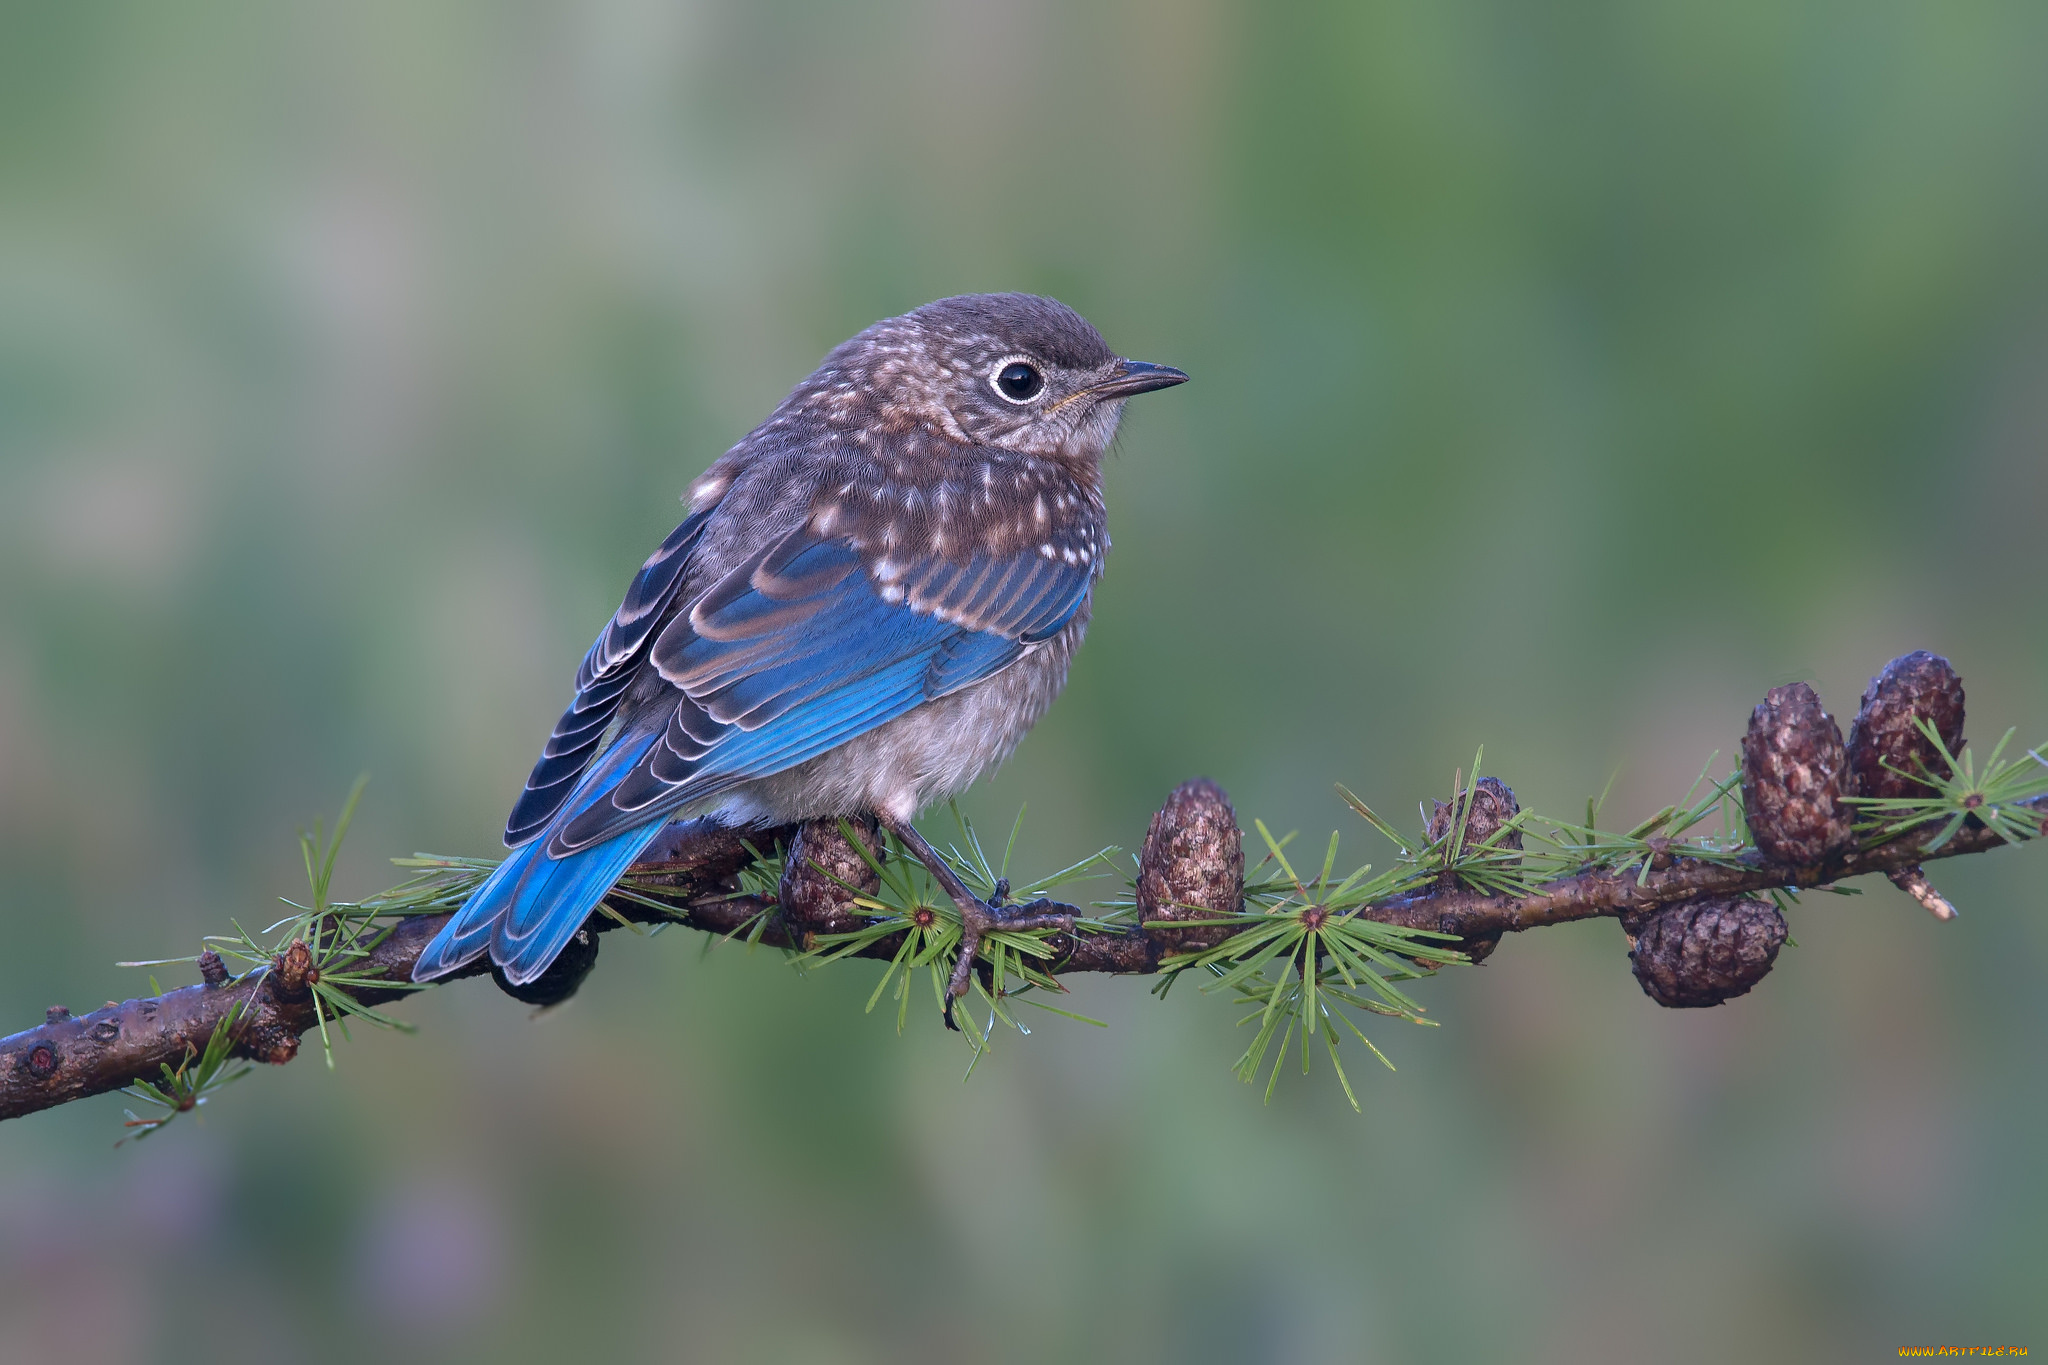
{"points": [[694, 872]]}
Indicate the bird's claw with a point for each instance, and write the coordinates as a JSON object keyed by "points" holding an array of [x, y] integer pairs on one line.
{"points": [[980, 918]]}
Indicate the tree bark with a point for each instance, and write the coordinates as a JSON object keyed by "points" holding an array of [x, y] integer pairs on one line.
{"points": [[694, 870]]}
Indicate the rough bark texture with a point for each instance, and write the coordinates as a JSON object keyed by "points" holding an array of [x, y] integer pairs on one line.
{"points": [[1793, 765], [71, 1057]]}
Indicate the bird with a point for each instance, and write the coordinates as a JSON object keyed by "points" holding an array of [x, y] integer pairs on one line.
{"points": [[875, 594]]}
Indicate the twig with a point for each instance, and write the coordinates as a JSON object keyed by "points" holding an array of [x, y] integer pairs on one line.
{"points": [[694, 875]]}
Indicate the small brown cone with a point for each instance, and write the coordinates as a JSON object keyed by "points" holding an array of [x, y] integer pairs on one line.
{"points": [[1793, 765], [1493, 805], [813, 902], [1912, 687], [1192, 866], [1702, 952]]}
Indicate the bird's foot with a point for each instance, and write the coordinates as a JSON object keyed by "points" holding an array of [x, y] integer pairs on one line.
{"points": [[980, 918]]}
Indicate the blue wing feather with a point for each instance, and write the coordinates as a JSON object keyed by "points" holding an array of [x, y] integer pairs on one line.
{"points": [[829, 660], [601, 682], [793, 653]]}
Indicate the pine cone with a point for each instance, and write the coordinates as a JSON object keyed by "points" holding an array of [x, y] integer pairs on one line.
{"points": [[1886, 728], [562, 978], [1702, 952], [1793, 764], [1192, 866], [1493, 805], [814, 903]]}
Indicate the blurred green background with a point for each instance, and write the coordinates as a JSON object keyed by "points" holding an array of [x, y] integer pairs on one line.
{"points": [[1565, 377]]}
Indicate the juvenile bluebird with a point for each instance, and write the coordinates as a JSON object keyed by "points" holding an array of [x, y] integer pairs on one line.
{"points": [[874, 596]]}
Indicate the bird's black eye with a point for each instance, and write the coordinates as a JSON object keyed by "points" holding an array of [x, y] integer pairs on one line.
{"points": [[1019, 381]]}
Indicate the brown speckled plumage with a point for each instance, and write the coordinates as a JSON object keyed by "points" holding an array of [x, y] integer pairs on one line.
{"points": [[876, 594]]}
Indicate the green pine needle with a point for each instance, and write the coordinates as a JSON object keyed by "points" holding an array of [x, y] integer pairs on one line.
{"points": [[195, 1080], [1962, 794]]}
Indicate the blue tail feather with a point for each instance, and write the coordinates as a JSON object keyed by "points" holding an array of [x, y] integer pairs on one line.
{"points": [[468, 933], [555, 897], [531, 905]]}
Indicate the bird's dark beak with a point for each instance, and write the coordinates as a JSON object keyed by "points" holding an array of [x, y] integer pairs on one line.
{"points": [[1137, 376]]}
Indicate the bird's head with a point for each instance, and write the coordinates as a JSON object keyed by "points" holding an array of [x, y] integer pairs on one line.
{"points": [[1014, 371]]}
